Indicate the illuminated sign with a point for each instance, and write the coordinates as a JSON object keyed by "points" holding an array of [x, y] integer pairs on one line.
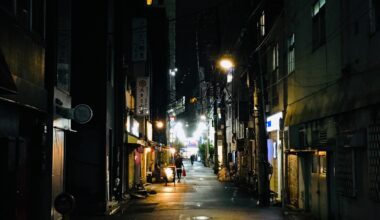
{"points": [[273, 122], [149, 131], [135, 127], [128, 124]]}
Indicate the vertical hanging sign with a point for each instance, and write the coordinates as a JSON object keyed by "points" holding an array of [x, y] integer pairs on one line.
{"points": [[142, 99], [139, 41]]}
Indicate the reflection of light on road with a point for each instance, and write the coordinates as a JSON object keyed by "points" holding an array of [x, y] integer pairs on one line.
{"points": [[201, 178], [168, 190], [198, 204], [200, 218]]}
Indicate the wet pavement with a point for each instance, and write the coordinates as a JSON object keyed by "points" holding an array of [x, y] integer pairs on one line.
{"points": [[199, 196]]}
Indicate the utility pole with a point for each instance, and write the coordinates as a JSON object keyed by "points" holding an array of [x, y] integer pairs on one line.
{"points": [[216, 161], [223, 126], [263, 177], [216, 73]]}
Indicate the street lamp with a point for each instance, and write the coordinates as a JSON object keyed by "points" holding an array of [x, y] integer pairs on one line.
{"points": [[225, 64], [159, 124]]}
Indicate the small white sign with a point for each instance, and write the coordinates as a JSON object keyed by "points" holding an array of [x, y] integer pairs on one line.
{"points": [[273, 122]]}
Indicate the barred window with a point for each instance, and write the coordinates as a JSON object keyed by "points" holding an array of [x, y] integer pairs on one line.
{"points": [[374, 162], [345, 171], [291, 56]]}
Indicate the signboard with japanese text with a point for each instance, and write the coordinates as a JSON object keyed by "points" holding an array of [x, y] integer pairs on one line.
{"points": [[142, 96], [139, 39], [135, 126]]}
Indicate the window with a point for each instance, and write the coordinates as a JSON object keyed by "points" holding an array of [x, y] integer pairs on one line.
{"points": [[345, 172], [30, 14], [110, 62], [275, 75], [261, 24], [319, 29], [374, 15], [291, 60], [275, 57], [373, 154]]}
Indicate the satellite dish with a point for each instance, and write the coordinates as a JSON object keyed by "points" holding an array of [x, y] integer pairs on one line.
{"points": [[82, 113]]}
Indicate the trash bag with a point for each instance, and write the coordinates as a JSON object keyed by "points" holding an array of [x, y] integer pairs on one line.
{"points": [[183, 172]]}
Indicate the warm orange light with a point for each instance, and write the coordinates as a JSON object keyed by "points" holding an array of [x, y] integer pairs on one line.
{"points": [[226, 63], [172, 150], [159, 124], [193, 100], [149, 2]]}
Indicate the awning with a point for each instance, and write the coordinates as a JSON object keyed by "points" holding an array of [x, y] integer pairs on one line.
{"points": [[7, 85], [132, 139]]}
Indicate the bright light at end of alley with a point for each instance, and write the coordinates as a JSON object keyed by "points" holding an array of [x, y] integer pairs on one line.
{"points": [[172, 150], [159, 124], [226, 64]]}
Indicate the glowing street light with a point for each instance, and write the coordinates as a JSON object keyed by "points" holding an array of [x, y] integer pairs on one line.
{"points": [[226, 64], [159, 124]]}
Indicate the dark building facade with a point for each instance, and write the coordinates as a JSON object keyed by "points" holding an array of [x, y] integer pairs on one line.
{"points": [[24, 110]]}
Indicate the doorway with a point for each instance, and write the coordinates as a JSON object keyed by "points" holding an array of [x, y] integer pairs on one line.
{"points": [[318, 185]]}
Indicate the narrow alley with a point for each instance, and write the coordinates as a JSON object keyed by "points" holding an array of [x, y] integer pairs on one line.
{"points": [[272, 106], [199, 195]]}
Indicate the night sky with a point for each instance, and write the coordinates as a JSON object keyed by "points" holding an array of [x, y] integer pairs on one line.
{"points": [[200, 15], [186, 59]]}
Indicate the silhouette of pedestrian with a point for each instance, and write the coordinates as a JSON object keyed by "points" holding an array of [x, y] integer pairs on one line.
{"points": [[192, 158], [178, 165]]}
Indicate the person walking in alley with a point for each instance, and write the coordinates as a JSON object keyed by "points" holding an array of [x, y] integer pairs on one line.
{"points": [[192, 158], [178, 165]]}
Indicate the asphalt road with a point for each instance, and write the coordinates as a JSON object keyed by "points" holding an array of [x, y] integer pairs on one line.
{"points": [[199, 196]]}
